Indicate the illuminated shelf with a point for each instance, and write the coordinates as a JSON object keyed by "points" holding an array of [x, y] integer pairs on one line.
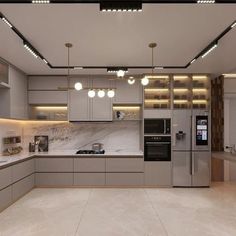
{"points": [[153, 90], [57, 113]]}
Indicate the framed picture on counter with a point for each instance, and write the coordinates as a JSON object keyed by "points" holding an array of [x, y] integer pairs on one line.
{"points": [[42, 141]]}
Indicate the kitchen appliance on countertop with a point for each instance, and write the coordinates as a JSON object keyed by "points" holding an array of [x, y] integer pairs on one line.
{"points": [[90, 152], [97, 147], [191, 148], [157, 148], [157, 126]]}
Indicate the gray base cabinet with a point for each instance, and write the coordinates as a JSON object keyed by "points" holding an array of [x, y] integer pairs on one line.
{"points": [[5, 177], [53, 179], [5, 198], [124, 179], [20, 188], [89, 179], [22, 170], [157, 174]]}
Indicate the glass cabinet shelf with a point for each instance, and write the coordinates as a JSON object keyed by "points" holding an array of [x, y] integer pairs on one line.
{"points": [[181, 92], [38, 112], [157, 92]]}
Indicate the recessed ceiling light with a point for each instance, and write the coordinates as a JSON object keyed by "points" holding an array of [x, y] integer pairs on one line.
{"points": [[120, 6], [78, 68], [159, 67], [205, 1], [40, 1]]}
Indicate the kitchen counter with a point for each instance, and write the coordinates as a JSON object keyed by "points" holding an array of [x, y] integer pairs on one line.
{"points": [[224, 156], [9, 160]]}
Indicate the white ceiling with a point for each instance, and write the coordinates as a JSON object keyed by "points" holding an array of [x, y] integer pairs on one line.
{"points": [[115, 39]]}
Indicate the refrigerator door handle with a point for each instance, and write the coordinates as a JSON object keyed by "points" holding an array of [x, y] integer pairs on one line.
{"points": [[193, 163]]}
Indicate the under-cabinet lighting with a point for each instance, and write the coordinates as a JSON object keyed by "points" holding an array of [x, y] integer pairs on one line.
{"points": [[209, 50], [199, 90], [206, 1], [199, 101], [180, 101], [50, 108], [156, 100], [7, 22], [229, 75], [126, 108], [40, 1], [197, 77], [156, 89], [177, 77], [29, 49], [233, 25], [181, 90], [157, 76]]}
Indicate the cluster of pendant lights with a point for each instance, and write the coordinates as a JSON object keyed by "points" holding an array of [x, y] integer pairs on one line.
{"points": [[100, 92]]}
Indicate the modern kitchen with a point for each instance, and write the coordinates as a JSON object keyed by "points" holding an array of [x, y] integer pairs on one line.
{"points": [[117, 118]]}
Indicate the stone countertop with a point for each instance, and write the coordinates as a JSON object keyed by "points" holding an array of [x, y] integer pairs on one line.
{"points": [[224, 156], [9, 160]]}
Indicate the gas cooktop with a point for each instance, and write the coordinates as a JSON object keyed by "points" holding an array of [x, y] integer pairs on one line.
{"points": [[90, 152]]}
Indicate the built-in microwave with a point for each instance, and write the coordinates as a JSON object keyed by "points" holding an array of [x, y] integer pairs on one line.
{"points": [[157, 126]]}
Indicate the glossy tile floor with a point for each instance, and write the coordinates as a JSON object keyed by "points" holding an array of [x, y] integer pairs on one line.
{"points": [[123, 212]]}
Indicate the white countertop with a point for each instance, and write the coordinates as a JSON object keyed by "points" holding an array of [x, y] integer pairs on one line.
{"points": [[7, 160], [224, 156]]}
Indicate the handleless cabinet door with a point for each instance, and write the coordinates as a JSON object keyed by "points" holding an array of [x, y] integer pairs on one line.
{"points": [[5, 177], [126, 93], [47, 164], [101, 108], [22, 170], [84, 164], [78, 102], [124, 165], [5, 198]]}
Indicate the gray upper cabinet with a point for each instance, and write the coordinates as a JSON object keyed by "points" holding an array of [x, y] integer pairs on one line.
{"points": [[78, 102], [83, 108], [126, 93], [101, 108]]}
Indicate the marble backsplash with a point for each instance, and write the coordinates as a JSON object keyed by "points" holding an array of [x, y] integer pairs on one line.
{"points": [[120, 135]]}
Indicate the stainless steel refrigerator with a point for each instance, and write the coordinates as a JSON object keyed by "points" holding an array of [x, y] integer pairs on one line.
{"points": [[191, 146]]}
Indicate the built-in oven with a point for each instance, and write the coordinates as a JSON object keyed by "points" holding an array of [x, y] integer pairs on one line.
{"points": [[157, 148], [157, 126]]}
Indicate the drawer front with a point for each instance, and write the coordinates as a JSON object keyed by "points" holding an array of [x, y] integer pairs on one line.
{"points": [[54, 179], [5, 177], [22, 187], [158, 174], [21, 170], [89, 179], [89, 165], [54, 165], [5, 198], [124, 179], [124, 165]]}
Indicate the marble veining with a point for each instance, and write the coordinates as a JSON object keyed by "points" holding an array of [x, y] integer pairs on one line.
{"points": [[121, 135]]}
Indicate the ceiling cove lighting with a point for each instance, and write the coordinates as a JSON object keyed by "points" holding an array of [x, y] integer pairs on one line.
{"points": [[29, 49], [7, 22], [209, 50], [121, 6], [206, 1], [41, 1]]}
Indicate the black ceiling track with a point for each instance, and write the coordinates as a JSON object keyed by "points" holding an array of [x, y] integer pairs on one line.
{"points": [[35, 51]]}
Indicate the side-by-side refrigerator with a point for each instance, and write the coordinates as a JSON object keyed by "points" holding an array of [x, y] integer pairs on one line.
{"points": [[191, 148]]}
